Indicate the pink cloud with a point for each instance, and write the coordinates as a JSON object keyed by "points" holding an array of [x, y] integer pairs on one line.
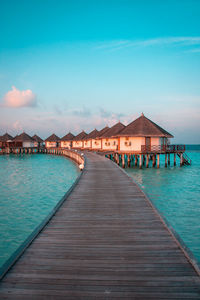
{"points": [[17, 98], [17, 126]]}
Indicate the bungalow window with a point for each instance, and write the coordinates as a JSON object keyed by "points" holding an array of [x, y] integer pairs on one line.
{"points": [[127, 143]]}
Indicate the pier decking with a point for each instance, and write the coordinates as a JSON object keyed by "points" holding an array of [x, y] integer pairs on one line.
{"points": [[105, 242]]}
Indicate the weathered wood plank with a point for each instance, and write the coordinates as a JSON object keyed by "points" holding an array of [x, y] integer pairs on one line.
{"points": [[105, 242]]}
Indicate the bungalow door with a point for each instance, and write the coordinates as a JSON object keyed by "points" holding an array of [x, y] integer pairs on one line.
{"points": [[148, 143]]}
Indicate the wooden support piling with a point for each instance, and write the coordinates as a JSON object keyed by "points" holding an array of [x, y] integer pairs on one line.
{"points": [[158, 161], [154, 160], [181, 159], [136, 160], [123, 161], [147, 161], [117, 158], [174, 159], [140, 163], [143, 159], [168, 159], [165, 160]]}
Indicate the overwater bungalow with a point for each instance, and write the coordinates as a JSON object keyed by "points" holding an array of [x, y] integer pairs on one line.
{"points": [[97, 141], [52, 141], [66, 141], [143, 135], [23, 141], [5, 140], [38, 142], [87, 141], [109, 138], [77, 142]]}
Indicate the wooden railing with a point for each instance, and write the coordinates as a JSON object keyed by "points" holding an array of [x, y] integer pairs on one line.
{"points": [[162, 148]]}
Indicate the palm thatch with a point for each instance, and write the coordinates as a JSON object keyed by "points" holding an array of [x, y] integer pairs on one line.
{"points": [[80, 136], [36, 138], [23, 137], [113, 131], [143, 127], [53, 138], [67, 137]]}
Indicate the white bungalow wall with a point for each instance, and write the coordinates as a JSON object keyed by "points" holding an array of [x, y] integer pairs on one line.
{"points": [[77, 144], [135, 143], [28, 144], [131, 143], [51, 144], [96, 144], [65, 144], [110, 144], [87, 144]]}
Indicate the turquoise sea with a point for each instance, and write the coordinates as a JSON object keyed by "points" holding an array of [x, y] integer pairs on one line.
{"points": [[30, 187], [175, 192]]}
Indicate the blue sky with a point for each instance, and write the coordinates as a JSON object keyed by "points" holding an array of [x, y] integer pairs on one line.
{"points": [[73, 65]]}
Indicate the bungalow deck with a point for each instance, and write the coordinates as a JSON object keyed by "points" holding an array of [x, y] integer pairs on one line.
{"points": [[105, 242]]}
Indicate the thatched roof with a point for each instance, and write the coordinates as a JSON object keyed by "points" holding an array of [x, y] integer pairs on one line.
{"points": [[23, 137], [80, 136], [53, 138], [143, 127], [102, 131], [36, 138], [113, 131], [67, 137], [92, 135], [6, 137]]}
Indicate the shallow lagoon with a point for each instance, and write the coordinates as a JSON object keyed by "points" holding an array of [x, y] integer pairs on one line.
{"points": [[175, 191], [30, 187]]}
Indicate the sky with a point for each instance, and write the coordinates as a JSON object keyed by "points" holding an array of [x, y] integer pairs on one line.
{"points": [[77, 65]]}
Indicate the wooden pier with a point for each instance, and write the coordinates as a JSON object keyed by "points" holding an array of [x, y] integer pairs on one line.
{"points": [[105, 242]]}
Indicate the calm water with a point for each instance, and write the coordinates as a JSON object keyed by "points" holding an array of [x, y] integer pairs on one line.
{"points": [[175, 192], [30, 187]]}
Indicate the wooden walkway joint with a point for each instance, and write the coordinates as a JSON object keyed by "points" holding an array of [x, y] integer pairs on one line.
{"points": [[105, 242]]}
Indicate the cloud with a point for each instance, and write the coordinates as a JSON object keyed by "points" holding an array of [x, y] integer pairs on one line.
{"points": [[82, 112], [16, 98], [168, 41], [17, 126]]}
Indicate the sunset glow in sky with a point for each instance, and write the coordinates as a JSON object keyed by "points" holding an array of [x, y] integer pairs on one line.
{"points": [[71, 65]]}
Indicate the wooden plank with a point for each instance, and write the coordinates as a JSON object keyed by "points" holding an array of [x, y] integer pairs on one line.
{"points": [[105, 241]]}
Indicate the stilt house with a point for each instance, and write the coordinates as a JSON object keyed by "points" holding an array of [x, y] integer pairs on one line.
{"points": [[52, 141], [87, 141], [23, 141], [109, 139], [143, 135], [38, 142], [77, 142], [66, 141], [5, 140], [97, 141]]}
